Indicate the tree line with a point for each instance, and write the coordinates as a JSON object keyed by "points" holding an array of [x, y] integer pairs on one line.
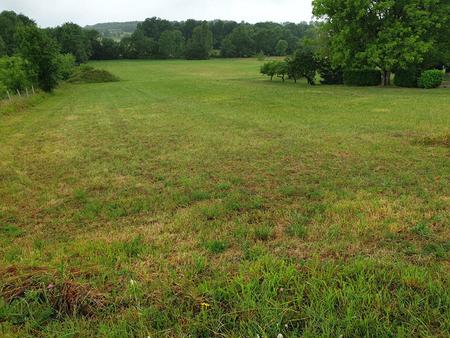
{"points": [[31, 56], [157, 38]]}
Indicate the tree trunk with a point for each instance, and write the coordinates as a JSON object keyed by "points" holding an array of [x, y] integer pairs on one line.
{"points": [[386, 78]]}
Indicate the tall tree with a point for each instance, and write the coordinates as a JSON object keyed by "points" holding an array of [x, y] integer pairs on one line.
{"points": [[10, 23], [379, 33], [200, 45], [281, 47], [74, 40], [171, 44], [239, 43], [41, 51]]}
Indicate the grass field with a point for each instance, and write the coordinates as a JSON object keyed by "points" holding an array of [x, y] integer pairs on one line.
{"points": [[196, 198]]}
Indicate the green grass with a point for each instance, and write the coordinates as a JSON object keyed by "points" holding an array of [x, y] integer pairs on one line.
{"points": [[198, 198]]}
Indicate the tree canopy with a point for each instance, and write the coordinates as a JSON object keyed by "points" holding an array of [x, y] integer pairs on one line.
{"points": [[386, 34]]}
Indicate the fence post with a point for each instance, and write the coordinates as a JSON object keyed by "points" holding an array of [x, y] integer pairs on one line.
{"points": [[18, 92], [32, 88], [26, 89], [9, 95]]}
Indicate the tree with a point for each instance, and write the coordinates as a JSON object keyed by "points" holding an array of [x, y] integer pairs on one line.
{"points": [[239, 43], [281, 47], [303, 64], [10, 23], [221, 29], [142, 47], [200, 45], [282, 69], [74, 40], [41, 51], [171, 44], [272, 68], [105, 49], [269, 69], [3, 50], [154, 27], [384, 33], [439, 55]]}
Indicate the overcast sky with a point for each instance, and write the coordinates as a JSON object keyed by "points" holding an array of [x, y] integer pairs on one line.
{"points": [[55, 12]]}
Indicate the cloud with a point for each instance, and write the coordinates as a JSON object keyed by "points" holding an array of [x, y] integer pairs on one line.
{"points": [[52, 13]]}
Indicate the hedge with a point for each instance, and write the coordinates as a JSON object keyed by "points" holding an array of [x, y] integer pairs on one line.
{"points": [[431, 79], [407, 77], [362, 77]]}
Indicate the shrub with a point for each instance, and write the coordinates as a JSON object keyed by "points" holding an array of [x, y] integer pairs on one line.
{"points": [[407, 77], [88, 74], [362, 77], [431, 79], [3, 90], [66, 66], [260, 56], [329, 74], [15, 73]]}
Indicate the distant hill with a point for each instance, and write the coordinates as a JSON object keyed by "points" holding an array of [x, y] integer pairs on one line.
{"points": [[115, 30]]}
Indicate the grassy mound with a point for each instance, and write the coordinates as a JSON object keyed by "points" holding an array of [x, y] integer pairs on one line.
{"points": [[88, 74]]}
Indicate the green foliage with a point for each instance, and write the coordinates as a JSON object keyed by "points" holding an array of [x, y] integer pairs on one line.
{"points": [[10, 24], [200, 44], [74, 40], [407, 77], [41, 52], [281, 69], [88, 74], [171, 44], [275, 68], [431, 79], [216, 246], [66, 66], [239, 43], [3, 50], [362, 77], [384, 34], [329, 75], [104, 48], [281, 47], [260, 56], [303, 64], [3, 90], [16, 73]]}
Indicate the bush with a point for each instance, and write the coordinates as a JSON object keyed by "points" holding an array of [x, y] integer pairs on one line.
{"points": [[15, 73], [362, 77], [260, 56], [431, 79], [88, 74], [66, 66], [407, 77], [329, 74], [3, 90]]}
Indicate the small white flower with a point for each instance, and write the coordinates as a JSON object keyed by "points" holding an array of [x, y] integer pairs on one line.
{"points": [[280, 335]]}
